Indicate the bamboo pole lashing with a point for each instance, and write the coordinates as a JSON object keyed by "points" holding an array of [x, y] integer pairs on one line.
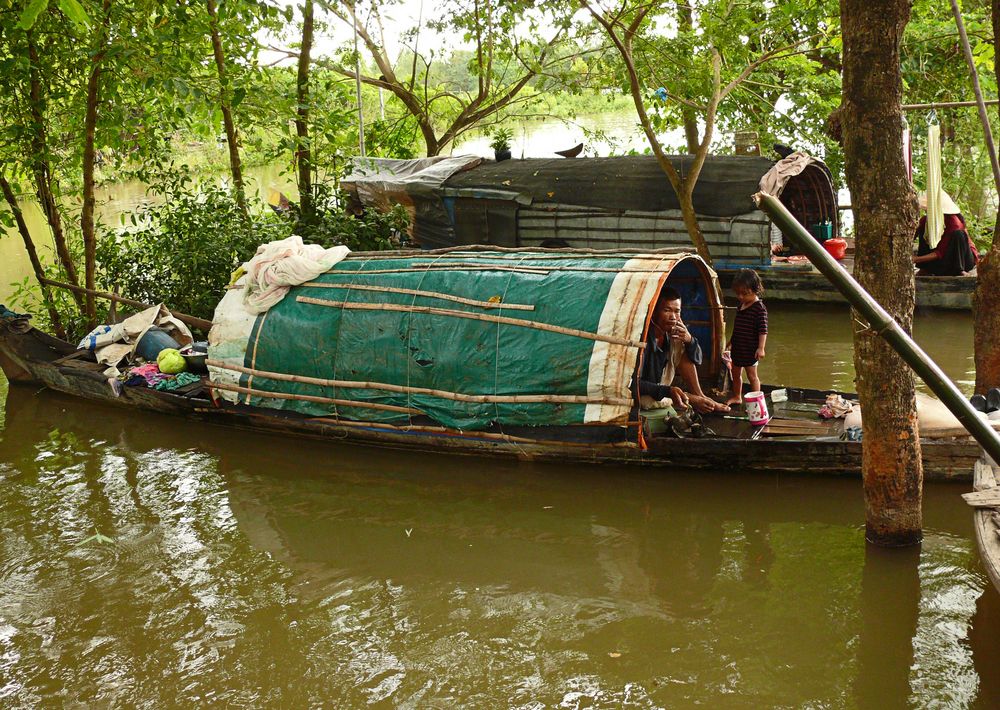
{"points": [[190, 320], [428, 310], [406, 389], [312, 398], [425, 294]]}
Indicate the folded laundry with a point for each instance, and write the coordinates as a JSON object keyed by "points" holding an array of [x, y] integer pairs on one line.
{"points": [[145, 376], [175, 382]]}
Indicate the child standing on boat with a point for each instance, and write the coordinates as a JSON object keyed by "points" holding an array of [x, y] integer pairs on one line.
{"points": [[746, 344]]}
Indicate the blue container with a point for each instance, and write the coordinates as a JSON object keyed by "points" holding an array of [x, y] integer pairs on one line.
{"points": [[152, 342]]}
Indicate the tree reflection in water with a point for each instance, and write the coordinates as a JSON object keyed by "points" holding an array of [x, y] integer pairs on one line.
{"points": [[252, 569]]}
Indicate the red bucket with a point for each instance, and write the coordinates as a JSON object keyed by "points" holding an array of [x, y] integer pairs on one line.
{"points": [[837, 247]]}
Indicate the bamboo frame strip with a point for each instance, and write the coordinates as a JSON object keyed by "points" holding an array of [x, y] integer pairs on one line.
{"points": [[562, 253], [312, 398], [540, 271], [205, 325], [428, 310], [405, 389], [426, 294], [946, 104], [446, 267]]}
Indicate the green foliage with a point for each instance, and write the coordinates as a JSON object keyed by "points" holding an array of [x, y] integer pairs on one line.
{"points": [[501, 138], [934, 70], [26, 297], [450, 92], [392, 139], [332, 224], [183, 251]]}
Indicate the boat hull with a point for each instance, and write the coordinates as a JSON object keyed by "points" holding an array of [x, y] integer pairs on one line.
{"points": [[986, 518], [34, 357], [802, 284]]}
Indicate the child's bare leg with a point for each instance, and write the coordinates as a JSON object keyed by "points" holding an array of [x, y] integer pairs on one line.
{"points": [[754, 380], [737, 396]]}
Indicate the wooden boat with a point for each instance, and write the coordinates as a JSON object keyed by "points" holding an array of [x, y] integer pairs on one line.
{"points": [[376, 364], [627, 203], [985, 498], [801, 283]]}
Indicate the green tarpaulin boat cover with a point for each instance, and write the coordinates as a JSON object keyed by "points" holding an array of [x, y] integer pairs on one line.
{"points": [[468, 339]]}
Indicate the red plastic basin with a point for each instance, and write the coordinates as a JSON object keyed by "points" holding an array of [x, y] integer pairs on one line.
{"points": [[836, 247]]}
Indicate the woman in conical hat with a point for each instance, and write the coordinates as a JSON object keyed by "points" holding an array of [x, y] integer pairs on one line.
{"points": [[951, 251]]}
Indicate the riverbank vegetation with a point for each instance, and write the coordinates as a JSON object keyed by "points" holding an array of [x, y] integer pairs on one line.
{"points": [[94, 91]]}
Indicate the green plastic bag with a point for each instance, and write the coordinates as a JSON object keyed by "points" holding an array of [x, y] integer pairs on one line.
{"points": [[170, 361]]}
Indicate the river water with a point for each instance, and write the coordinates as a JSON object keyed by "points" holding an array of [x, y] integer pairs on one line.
{"points": [[148, 561]]}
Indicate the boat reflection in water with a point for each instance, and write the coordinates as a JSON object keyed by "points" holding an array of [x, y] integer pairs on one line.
{"points": [[245, 568]]}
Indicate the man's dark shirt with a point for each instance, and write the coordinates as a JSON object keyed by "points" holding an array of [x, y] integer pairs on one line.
{"points": [[655, 358]]}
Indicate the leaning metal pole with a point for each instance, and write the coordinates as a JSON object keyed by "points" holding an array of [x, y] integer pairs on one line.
{"points": [[881, 323]]}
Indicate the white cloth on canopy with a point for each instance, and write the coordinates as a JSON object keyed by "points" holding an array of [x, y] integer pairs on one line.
{"points": [[277, 266], [111, 343]]}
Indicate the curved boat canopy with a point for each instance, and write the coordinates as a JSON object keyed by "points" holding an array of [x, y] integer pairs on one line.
{"points": [[464, 338]]}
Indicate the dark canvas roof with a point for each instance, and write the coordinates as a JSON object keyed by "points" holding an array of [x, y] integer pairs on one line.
{"points": [[724, 187]]}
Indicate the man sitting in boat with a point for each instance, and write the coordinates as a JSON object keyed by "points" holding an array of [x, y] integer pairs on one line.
{"points": [[672, 351]]}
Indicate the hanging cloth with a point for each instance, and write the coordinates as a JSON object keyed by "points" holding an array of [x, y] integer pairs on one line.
{"points": [[908, 151], [935, 214]]}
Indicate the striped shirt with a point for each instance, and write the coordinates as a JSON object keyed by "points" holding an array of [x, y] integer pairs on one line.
{"points": [[748, 326]]}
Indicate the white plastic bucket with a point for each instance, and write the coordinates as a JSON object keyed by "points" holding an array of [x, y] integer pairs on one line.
{"points": [[756, 407]]}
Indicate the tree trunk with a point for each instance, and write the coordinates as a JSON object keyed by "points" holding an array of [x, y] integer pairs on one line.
{"points": [[36, 264], [685, 195], [986, 299], [42, 173], [986, 318], [303, 152], [90, 131], [232, 139], [885, 210]]}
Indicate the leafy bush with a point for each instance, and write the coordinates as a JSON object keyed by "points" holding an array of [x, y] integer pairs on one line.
{"points": [[183, 251], [26, 295], [332, 224]]}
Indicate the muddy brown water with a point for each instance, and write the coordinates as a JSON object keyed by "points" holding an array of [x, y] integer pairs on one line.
{"points": [[148, 561]]}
